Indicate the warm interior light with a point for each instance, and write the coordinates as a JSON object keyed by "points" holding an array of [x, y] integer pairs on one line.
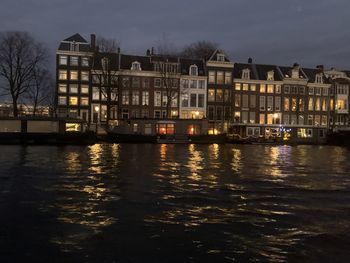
{"points": [[97, 108]]}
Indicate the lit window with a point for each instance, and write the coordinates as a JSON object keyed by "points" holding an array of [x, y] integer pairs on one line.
{"points": [[270, 75], [238, 86], [220, 77], [278, 89], [270, 88], [74, 75], [145, 98], [228, 78], [73, 100], [84, 89], [211, 95], [73, 88], [245, 87], [135, 98], [252, 87], [63, 60], [262, 88], [62, 88], [73, 127], [211, 77], [85, 75], [84, 101], [62, 74]]}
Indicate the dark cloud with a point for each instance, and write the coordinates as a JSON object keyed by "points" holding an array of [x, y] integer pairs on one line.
{"points": [[271, 31]]}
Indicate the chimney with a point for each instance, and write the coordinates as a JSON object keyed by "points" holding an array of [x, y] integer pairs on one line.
{"points": [[93, 41], [148, 53], [295, 65], [320, 67], [250, 60], [118, 50], [152, 51]]}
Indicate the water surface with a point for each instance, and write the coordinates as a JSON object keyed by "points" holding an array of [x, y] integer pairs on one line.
{"points": [[174, 203]]}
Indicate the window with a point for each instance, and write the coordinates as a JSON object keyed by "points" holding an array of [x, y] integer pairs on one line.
{"points": [[85, 61], [262, 103], [244, 116], [211, 77], [201, 84], [286, 89], [63, 60], [245, 101], [164, 99], [145, 82], [145, 98], [157, 114], [294, 104], [245, 87], [74, 46], [125, 97], [135, 82], [310, 120], [317, 120], [157, 98], [252, 117], [125, 113], [74, 75], [193, 84], [62, 74], [318, 104], [277, 103], [84, 101], [252, 87], [84, 89], [220, 77], [193, 100], [135, 100], [62, 100], [311, 104], [228, 78], [252, 101], [286, 104], [238, 86], [157, 83], [73, 101], [301, 120], [103, 95], [311, 91], [301, 104], [262, 88], [135, 65], [324, 120], [219, 95], [261, 118], [220, 57], [286, 119], [184, 100], [278, 89], [73, 88], [270, 88], [237, 100], [270, 103], [318, 91], [62, 88], [211, 112], [304, 133], [200, 100], [325, 91], [74, 61], [193, 70], [237, 117], [270, 75], [324, 104], [219, 113], [302, 90], [294, 90], [95, 93], [211, 95], [85, 75], [246, 74], [319, 78], [293, 119]]}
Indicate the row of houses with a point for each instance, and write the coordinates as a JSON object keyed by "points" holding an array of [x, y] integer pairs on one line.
{"points": [[246, 99]]}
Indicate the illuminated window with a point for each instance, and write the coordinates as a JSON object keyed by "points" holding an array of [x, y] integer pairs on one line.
{"points": [[252, 87], [62, 100], [219, 95], [211, 95], [269, 88], [125, 97], [341, 104], [73, 127], [95, 93], [62, 88], [246, 73], [62, 74], [317, 120], [278, 89], [262, 88], [245, 87], [261, 118], [294, 104], [238, 86], [85, 75], [324, 120], [286, 104], [317, 104], [157, 98], [145, 98], [73, 88], [74, 61], [74, 75], [301, 104], [84, 89], [84, 101], [270, 75], [73, 101], [135, 98], [63, 60], [311, 104]]}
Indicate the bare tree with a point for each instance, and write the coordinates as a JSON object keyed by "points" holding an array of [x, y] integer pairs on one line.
{"points": [[165, 47], [104, 70], [199, 50], [40, 90], [19, 55]]}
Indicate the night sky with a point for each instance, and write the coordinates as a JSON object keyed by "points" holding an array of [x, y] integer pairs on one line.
{"points": [[309, 32]]}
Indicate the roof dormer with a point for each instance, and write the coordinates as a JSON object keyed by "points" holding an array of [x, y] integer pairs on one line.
{"points": [[319, 78], [193, 70], [270, 75], [246, 73], [135, 65], [220, 57]]}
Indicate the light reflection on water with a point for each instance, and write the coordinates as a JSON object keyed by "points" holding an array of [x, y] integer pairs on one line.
{"points": [[206, 202]]}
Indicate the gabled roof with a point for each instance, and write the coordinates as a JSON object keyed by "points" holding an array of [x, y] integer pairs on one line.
{"points": [[239, 67], [215, 54], [262, 71], [287, 71], [127, 60], [312, 72], [77, 38], [113, 60]]}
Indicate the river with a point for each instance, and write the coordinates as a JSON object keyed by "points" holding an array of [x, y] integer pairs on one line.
{"points": [[174, 203]]}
